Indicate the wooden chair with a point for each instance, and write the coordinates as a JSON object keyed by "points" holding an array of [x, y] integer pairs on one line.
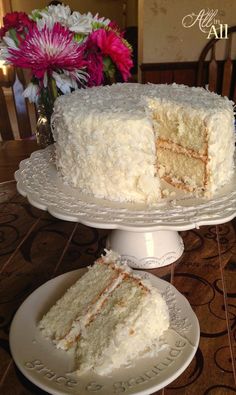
{"points": [[14, 82], [219, 75]]}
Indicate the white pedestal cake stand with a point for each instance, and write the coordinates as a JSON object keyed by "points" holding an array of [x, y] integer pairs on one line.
{"points": [[145, 236]]}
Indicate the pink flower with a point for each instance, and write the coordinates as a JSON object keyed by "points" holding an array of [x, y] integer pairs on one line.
{"points": [[46, 50], [111, 44], [94, 69]]}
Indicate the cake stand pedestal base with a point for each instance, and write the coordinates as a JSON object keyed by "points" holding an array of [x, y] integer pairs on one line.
{"points": [[146, 250]]}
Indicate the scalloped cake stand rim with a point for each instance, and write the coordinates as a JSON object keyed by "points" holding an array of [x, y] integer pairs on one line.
{"points": [[191, 215]]}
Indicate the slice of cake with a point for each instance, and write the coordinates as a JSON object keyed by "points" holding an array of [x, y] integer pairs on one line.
{"points": [[109, 317]]}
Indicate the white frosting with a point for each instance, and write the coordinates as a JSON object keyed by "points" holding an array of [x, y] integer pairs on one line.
{"points": [[105, 141], [220, 149]]}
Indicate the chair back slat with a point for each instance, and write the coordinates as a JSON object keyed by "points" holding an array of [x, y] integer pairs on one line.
{"points": [[227, 77], [11, 92], [220, 74], [213, 72], [234, 95], [5, 124], [228, 69], [200, 73]]}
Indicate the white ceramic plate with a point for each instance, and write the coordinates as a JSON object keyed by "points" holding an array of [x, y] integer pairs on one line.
{"points": [[49, 368]]}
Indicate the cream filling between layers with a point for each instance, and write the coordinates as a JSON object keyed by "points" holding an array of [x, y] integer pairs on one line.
{"points": [[170, 145]]}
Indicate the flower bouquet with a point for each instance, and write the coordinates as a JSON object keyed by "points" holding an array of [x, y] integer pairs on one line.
{"points": [[64, 51]]}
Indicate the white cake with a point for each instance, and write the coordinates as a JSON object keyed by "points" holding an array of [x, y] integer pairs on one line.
{"points": [[117, 142], [109, 318]]}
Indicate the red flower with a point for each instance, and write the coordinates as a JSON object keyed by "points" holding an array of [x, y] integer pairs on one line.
{"points": [[111, 44], [17, 20], [2, 32]]}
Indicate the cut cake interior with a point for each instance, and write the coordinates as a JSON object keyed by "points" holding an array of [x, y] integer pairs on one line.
{"points": [[181, 154], [191, 147]]}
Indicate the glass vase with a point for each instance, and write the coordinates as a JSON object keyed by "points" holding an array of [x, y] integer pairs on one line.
{"points": [[43, 132], [44, 109]]}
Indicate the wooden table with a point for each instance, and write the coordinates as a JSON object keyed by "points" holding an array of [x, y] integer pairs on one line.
{"points": [[34, 247]]}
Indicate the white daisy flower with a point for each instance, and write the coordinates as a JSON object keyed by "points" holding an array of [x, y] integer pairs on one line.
{"points": [[52, 14], [31, 92], [6, 43], [64, 82], [80, 23], [9, 42], [68, 80], [83, 23]]}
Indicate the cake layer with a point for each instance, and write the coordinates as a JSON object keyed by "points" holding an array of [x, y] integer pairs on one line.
{"points": [[182, 170], [173, 123]]}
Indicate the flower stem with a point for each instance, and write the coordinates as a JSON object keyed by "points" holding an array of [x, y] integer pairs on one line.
{"points": [[52, 90]]}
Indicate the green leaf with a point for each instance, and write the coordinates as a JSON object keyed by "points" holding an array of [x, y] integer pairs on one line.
{"points": [[36, 14], [12, 34], [97, 25], [108, 67], [79, 37]]}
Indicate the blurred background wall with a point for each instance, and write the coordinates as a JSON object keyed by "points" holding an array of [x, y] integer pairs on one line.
{"points": [[161, 33]]}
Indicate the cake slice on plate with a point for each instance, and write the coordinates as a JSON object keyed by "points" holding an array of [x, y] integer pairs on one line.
{"points": [[109, 317]]}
